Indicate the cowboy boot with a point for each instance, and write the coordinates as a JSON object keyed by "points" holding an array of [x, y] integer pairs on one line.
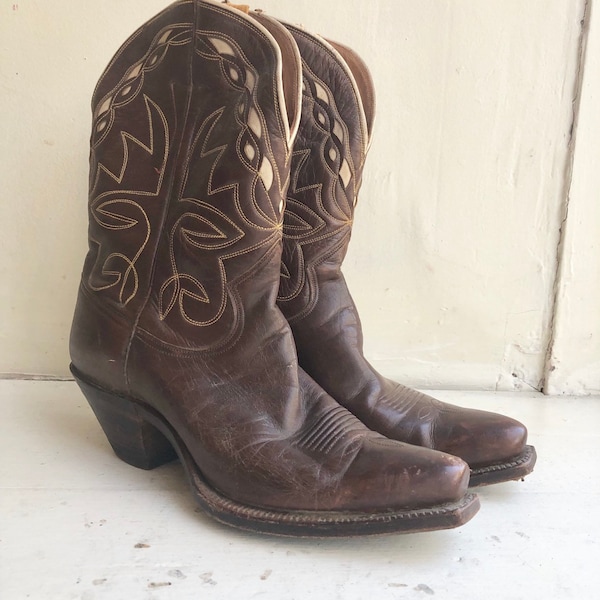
{"points": [[177, 342], [329, 153]]}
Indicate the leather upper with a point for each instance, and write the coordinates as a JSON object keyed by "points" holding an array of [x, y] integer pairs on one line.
{"points": [[190, 161]]}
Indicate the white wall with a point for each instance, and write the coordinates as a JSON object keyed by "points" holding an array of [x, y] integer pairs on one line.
{"points": [[574, 361], [454, 256]]}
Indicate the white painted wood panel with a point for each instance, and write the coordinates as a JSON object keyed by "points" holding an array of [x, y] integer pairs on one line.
{"points": [[573, 365], [454, 255]]}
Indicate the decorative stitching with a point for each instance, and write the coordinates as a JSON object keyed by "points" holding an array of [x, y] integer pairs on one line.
{"points": [[304, 227], [243, 77], [113, 220], [132, 81], [204, 228], [332, 426]]}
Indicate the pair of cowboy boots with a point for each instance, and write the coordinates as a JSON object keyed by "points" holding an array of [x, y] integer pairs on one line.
{"points": [[226, 156]]}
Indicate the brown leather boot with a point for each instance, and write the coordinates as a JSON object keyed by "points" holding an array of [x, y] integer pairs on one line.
{"points": [[329, 153], [177, 342]]}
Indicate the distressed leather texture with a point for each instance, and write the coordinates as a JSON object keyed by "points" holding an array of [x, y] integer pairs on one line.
{"points": [[327, 163], [189, 168]]}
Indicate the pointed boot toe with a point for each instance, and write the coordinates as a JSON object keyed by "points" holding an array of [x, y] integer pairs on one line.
{"points": [[494, 445], [412, 477], [479, 437]]}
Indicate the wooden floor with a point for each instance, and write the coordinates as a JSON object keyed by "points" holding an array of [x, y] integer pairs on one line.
{"points": [[77, 523]]}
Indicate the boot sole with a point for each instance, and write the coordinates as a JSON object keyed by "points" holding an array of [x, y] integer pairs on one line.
{"points": [[511, 470], [141, 437]]}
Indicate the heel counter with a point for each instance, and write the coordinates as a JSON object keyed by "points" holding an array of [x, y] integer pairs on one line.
{"points": [[98, 343]]}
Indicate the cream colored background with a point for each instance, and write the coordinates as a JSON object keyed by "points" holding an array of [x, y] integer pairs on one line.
{"points": [[481, 144]]}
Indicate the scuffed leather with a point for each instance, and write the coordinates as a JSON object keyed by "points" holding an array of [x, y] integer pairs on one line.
{"points": [[177, 308], [332, 142]]}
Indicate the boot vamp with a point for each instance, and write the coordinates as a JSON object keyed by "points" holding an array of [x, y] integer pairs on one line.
{"points": [[479, 437], [329, 342], [266, 436], [374, 472]]}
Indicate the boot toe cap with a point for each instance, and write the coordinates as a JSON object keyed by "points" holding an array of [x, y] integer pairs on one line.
{"points": [[482, 438], [391, 475]]}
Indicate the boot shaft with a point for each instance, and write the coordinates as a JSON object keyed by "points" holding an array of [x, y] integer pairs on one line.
{"points": [[329, 153], [189, 163]]}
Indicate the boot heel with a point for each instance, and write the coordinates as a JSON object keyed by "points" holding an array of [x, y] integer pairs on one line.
{"points": [[133, 439]]}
